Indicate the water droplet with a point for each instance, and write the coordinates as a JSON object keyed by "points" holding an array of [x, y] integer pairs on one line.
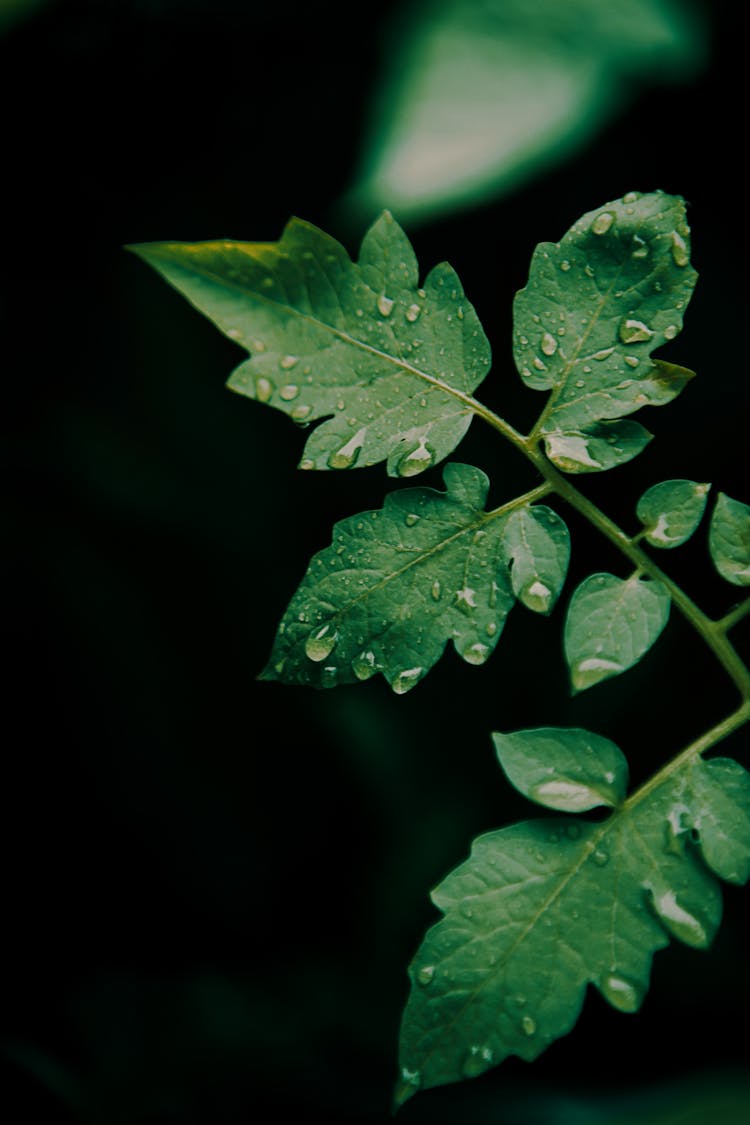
{"points": [[426, 974], [605, 353], [416, 461], [407, 679], [549, 344], [580, 384], [329, 676], [523, 340], [529, 1025], [321, 642], [385, 305], [588, 271], [670, 331], [412, 313], [565, 265], [602, 222], [359, 312], [476, 1062], [287, 362], [535, 595], [538, 363], [411, 519], [289, 392], [364, 666], [600, 857], [634, 331], [567, 796], [680, 253], [680, 922], [631, 197], [306, 464], [258, 346], [347, 455], [263, 389], [490, 628], [640, 247], [632, 360], [301, 412], [622, 993], [460, 312], [436, 590], [466, 597], [476, 653]]}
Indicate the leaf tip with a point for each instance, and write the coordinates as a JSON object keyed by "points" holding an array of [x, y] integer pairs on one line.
{"points": [[592, 671]]}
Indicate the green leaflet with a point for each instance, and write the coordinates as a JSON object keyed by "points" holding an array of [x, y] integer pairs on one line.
{"points": [[545, 907], [611, 623], [596, 305], [729, 539], [671, 511], [397, 584], [386, 362], [568, 770], [536, 545]]}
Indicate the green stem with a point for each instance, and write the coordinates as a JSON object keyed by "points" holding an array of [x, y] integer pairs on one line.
{"points": [[713, 633]]}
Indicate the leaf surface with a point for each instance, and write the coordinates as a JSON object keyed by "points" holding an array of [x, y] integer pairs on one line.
{"points": [[546, 907], [536, 545], [596, 305], [611, 623], [671, 511], [729, 539], [570, 770], [397, 584], [386, 362]]}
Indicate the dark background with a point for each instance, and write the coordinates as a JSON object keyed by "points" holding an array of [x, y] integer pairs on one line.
{"points": [[212, 886]]}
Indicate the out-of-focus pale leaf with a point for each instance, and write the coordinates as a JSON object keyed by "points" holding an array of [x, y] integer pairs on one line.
{"points": [[477, 95]]}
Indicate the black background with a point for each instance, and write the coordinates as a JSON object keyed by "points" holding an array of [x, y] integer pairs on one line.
{"points": [[212, 886]]}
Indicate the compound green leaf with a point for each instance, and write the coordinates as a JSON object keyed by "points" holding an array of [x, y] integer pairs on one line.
{"points": [[729, 539], [596, 305], [397, 584], [611, 623], [570, 770], [671, 511], [536, 545], [386, 362], [544, 908]]}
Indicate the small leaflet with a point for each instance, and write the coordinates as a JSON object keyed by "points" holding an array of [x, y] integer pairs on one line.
{"points": [[611, 623], [536, 544], [571, 770], [729, 539], [544, 908], [597, 304], [382, 362], [671, 511]]}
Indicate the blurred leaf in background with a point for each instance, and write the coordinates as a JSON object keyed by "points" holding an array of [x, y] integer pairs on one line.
{"points": [[13, 11], [478, 95]]}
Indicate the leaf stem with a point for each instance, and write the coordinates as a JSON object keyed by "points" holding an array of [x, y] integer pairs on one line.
{"points": [[730, 620]]}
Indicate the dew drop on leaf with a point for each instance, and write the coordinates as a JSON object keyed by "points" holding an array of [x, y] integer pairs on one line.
{"points": [[678, 921], [426, 974], [621, 993], [412, 313], [289, 392], [385, 305], [347, 455], [549, 344], [406, 680], [529, 1025], [679, 250], [634, 331], [436, 590], [476, 653], [263, 389], [287, 362], [416, 461], [411, 519], [320, 643], [364, 666], [602, 222]]}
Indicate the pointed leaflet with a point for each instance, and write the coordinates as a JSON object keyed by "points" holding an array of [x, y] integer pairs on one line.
{"points": [[396, 585], [671, 511], [610, 625], [536, 545], [595, 307], [729, 539], [544, 908], [570, 770], [387, 363]]}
